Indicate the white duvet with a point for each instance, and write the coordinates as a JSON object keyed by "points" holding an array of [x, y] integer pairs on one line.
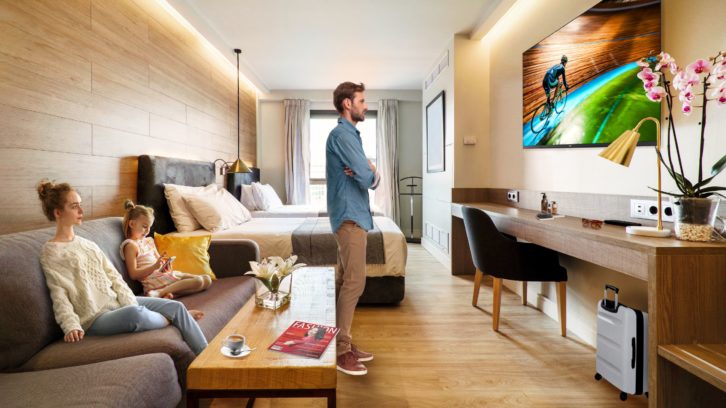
{"points": [[274, 236]]}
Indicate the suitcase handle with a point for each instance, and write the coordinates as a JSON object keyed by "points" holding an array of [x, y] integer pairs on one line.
{"points": [[632, 360], [610, 305]]}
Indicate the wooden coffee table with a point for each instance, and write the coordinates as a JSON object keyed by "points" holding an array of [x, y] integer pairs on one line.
{"points": [[266, 373]]}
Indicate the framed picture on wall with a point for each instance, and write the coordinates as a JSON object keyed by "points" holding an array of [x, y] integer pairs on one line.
{"points": [[435, 135]]}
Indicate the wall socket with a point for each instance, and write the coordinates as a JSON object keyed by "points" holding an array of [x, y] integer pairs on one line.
{"points": [[648, 210], [513, 195]]}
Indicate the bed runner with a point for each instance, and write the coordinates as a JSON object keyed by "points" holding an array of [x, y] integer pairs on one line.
{"points": [[314, 243]]}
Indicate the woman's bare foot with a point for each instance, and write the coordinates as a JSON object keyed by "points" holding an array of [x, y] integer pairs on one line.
{"points": [[168, 296], [196, 314]]}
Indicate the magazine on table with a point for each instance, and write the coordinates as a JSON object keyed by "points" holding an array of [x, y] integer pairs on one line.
{"points": [[305, 339]]}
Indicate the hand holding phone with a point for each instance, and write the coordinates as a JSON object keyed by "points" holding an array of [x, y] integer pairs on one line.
{"points": [[167, 264]]}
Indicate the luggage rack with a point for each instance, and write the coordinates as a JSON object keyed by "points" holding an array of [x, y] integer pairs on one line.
{"points": [[412, 185]]}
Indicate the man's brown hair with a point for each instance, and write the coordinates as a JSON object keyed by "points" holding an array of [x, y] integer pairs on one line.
{"points": [[344, 91]]}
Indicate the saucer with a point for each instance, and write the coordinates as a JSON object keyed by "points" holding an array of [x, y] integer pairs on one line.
{"points": [[228, 353]]}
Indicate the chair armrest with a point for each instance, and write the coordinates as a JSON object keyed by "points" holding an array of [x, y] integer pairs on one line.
{"points": [[232, 257]]}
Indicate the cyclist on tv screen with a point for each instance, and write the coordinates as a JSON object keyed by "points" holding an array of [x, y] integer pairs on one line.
{"points": [[551, 78]]}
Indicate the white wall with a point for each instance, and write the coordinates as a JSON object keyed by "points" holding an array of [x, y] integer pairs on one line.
{"points": [[690, 30], [437, 186], [271, 136]]}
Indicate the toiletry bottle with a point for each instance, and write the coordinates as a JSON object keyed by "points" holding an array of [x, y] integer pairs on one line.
{"points": [[554, 208], [544, 204]]}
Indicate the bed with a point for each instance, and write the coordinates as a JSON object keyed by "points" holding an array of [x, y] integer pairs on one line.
{"points": [[385, 271]]}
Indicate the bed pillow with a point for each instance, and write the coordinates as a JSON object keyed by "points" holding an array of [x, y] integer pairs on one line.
{"points": [[209, 211], [265, 196], [218, 211], [247, 197], [238, 213], [184, 220], [192, 253]]}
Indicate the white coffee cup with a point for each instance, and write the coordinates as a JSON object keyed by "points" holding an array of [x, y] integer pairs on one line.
{"points": [[235, 343]]}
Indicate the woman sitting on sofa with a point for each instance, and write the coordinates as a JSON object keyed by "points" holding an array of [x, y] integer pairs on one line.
{"points": [[89, 295]]}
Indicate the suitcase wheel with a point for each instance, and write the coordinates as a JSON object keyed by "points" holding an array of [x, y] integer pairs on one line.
{"points": [[598, 377], [623, 396]]}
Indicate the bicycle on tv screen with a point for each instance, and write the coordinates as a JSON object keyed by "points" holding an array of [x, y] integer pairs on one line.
{"points": [[580, 86]]}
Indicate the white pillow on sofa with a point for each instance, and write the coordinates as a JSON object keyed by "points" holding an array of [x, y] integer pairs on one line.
{"points": [[184, 220], [265, 196], [247, 197]]}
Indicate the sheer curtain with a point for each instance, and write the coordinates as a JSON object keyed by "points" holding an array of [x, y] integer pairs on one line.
{"points": [[386, 197], [297, 150]]}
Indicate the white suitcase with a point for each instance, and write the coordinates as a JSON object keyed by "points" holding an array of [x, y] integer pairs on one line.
{"points": [[622, 346]]}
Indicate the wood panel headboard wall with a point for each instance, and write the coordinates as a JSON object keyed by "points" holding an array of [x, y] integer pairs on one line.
{"points": [[127, 79]]}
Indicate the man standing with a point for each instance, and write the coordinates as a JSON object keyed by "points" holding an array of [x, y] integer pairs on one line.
{"points": [[349, 176]]}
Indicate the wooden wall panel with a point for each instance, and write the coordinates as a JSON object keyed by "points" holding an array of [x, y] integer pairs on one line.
{"points": [[88, 85]]}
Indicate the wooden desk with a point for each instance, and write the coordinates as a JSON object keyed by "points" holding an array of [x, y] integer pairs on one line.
{"points": [[686, 290], [267, 373]]}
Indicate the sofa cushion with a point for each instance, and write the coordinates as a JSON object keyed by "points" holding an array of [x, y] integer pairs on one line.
{"points": [[220, 302], [93, 349], [141, 381]]}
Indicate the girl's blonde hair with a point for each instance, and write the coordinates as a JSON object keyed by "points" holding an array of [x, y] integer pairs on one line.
{"points": [[134, 211], [52, 196]]}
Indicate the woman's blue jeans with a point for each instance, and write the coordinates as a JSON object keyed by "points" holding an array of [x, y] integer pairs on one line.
{"points": [[150, 314]]}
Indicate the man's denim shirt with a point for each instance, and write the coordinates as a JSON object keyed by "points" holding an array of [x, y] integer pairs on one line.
{"points": [[348, 196]]}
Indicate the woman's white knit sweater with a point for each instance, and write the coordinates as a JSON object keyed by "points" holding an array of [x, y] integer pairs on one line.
{"points": [[83, 283]]}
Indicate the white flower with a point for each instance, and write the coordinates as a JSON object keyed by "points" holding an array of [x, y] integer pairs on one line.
{"points": [[287, 266]]}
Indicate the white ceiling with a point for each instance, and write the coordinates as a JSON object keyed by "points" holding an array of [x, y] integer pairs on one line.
{"points": [[316, 44]]}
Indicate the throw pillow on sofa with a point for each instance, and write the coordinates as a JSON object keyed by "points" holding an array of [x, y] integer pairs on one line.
{"points": [[192, 252]]}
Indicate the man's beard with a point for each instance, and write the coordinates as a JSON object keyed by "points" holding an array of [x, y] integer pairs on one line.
{"points": [[358, 117]]}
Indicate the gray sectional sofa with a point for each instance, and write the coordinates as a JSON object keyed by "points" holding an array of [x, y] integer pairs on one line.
{"points": [[37, 368]]}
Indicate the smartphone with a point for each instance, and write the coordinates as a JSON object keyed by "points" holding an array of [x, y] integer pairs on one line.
{"points": [[167, 263]]}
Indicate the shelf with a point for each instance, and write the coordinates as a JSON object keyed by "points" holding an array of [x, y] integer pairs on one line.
{"points": [[705, 361]]}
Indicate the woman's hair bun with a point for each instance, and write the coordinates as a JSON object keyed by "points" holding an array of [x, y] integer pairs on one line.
{"points": [[44, 188]]}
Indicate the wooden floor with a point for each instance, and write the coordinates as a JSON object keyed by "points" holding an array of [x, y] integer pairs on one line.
{"points": [[436, 350]]}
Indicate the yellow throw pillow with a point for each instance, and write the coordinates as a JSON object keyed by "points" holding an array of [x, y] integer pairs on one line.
{"points": [[192, 252]]}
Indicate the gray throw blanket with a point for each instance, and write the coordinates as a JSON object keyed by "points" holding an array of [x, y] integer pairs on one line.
{"points": [[314, 243]]}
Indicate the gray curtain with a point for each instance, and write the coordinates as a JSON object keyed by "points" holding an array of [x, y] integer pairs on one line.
{"points": [[387, 158], [297, 150]]}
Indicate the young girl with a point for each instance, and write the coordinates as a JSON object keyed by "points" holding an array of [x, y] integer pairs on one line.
{"points": [[89, 295], [146, 265]]}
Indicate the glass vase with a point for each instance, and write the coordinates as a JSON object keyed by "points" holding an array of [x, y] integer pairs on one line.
{"points": [[694, 218], [273, 299]]}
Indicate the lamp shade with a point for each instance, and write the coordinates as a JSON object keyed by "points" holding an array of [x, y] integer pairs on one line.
{"points": [[238, 167], [622, 149]]}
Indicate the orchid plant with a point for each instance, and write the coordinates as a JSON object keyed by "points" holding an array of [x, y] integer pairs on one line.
{"points": [[272, 270], [702, 81]]}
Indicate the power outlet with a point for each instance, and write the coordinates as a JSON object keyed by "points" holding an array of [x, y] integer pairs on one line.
{"points": [[648, 210], [513, 195]]}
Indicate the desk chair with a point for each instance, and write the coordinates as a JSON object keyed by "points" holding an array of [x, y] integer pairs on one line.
{"points": [[502, 257]]}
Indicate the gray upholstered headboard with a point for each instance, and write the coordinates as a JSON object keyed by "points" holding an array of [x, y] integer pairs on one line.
{"points": [[154, 171]]}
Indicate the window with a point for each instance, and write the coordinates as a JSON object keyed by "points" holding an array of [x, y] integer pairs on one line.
{"points": [[321, 123]]}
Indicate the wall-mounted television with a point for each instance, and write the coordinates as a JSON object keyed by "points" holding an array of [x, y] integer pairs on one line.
{"points": [[601, 48]]}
